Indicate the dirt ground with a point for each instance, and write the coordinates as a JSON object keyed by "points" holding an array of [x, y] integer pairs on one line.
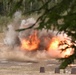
{"points": [[27, 67]]}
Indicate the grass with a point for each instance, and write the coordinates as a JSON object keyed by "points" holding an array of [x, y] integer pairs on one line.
{"points": [[4, 20]]}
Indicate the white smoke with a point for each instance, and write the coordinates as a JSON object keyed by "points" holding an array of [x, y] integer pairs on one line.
{"points": [[25, 24], [17, 16], [12, 38]]}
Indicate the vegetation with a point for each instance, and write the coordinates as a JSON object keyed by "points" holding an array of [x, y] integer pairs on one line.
{"points": [[51, 12]]}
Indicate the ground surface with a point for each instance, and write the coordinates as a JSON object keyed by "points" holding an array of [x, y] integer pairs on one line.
{"points": [[27, 67]]}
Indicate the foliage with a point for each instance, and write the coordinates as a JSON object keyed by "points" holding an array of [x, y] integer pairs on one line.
{"points": [[66, 10]]}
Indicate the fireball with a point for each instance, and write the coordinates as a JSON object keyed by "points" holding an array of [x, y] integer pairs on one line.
{"points": [[32, 43], [54, 43], [60, 48], [66, 53]]}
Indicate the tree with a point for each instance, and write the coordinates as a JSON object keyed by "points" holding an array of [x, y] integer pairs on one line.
{"points": [[63, 10]]}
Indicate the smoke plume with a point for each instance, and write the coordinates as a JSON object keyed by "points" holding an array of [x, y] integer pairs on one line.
{"points": [[11, 50]]}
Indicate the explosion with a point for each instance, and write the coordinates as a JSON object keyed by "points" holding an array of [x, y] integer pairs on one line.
{"points": [[32, 43], [60, 48], [47, 43], [66, 53], [54, 43]]}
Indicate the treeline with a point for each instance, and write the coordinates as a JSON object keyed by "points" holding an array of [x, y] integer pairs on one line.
{"points": [[26, 6], [9, 6]]}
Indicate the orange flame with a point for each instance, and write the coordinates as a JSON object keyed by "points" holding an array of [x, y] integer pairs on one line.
{"points": [[53, 44], [31, 43], [66, 53], [54, 48]]}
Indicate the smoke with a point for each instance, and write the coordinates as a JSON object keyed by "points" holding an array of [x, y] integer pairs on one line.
{"points": [[25, 24], [16, 54], [11, 37], [17, 16], [11, 49]]}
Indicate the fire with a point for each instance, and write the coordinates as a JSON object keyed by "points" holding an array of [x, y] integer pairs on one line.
{"points": [[31, 43], [53, 44], [56, 50], [66, 53], [58, 47]]}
